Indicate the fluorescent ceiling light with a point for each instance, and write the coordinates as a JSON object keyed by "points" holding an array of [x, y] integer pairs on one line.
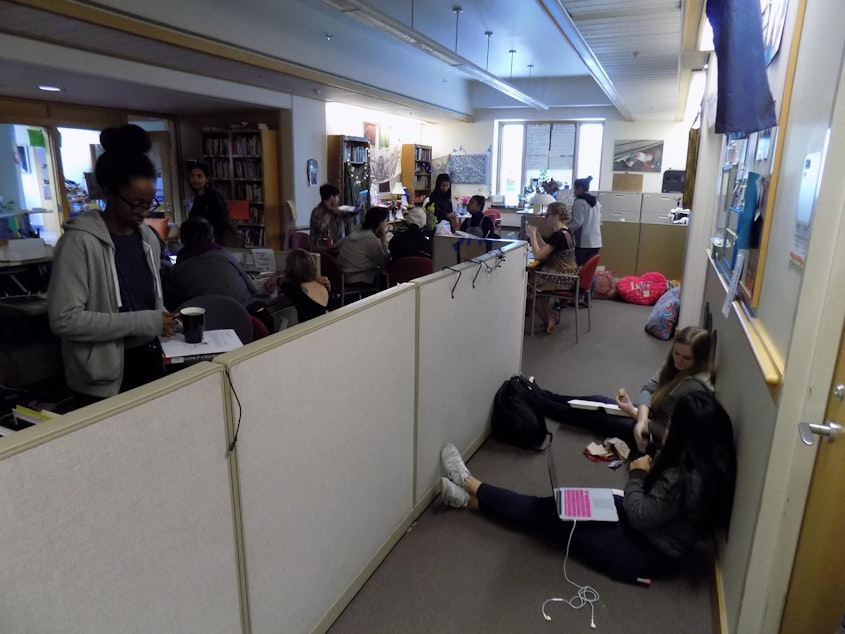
{"points": [[48, 88], [390, 26]]}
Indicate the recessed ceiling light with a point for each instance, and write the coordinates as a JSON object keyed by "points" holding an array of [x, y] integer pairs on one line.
{"points": [[48, 88]]}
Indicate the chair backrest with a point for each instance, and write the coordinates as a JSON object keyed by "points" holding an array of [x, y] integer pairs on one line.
{"points": [[410, 268], [259, 330], [224, 312], [330, 267], [588, 272], [495, 215], [299, 240]]}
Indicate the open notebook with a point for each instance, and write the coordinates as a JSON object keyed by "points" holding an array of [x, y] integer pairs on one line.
{"points": [[582, 503]]}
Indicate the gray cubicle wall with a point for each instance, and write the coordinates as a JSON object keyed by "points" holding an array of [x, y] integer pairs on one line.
{"points": [[452, 250], [469, 344], [118, 517], [325, 457]]}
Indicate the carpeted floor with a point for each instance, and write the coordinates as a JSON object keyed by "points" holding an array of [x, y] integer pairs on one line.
{"points": [[455, 571]]}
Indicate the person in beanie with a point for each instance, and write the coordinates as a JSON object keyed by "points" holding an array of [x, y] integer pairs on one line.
{"points": [[586, 222]]}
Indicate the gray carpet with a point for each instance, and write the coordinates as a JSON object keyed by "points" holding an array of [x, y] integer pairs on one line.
{"points": [[455, 571]]}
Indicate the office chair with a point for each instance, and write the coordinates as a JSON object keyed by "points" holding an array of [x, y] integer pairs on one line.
{"points": [[223, 312], [330, 267], [583, 290], [299, 240], [410, 268]]}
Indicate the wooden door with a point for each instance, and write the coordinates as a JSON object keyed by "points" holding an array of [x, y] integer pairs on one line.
{"points": [[816, 597]]}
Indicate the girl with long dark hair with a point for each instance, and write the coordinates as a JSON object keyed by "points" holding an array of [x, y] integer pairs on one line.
{"points": [[673, 506]]}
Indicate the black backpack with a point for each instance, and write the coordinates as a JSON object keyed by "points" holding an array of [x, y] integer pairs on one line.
{"points": [[517, 415]]}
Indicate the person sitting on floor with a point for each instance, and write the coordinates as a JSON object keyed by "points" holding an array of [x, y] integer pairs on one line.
{"points": [[557, 255], [203, 267], [673, 505], [410, 241], [478, 224], [308, 292], [365, 250], [687, 369]]}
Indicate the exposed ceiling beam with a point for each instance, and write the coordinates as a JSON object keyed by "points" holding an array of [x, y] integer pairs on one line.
{"points": [[561, 18], [87, 11], [393, 27]]}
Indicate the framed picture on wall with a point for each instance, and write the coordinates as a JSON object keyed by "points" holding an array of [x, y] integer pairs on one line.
{"points": [[637, 156], [311, 169]]}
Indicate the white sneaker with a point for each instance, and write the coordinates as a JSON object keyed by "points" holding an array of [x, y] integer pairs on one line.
{"points": [[453, 495], [453, 464]]}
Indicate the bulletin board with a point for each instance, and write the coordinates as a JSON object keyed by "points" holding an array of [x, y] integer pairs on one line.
{"points": [[469, 168]]}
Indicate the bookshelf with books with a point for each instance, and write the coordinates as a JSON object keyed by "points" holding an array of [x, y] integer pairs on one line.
{"points": [[416, 170], [348, 165], [244, 164]]}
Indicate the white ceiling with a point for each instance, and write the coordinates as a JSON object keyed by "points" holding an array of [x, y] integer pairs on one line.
{"points": [[378, 71]]}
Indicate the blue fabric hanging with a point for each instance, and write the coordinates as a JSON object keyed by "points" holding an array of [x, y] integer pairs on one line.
{"points": [[745, 102]]}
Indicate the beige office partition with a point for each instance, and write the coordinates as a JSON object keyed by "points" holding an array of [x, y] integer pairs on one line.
{"points": [[118, 517], [470, 334], [325, 457], [452, 250]]}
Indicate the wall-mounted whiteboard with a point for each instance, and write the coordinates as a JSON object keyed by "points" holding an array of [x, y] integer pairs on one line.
{"points": [[325, 454], [124, 525]]}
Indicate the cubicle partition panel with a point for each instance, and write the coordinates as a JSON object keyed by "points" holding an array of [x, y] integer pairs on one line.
{"points": [[118, 517], [325, 457], [470, 333], [452, 250]]}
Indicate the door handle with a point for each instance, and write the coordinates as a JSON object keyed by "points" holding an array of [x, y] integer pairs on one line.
{"points": [[830, 430]]}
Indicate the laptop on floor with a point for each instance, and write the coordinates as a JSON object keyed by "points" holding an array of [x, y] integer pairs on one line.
{"points": [[583, 504]]}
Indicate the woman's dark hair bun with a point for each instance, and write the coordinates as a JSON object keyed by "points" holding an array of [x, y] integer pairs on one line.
{"points": [[129, 139]]}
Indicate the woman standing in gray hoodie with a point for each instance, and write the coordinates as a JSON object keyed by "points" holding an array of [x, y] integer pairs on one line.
{"points": [[105, 298], [586, 222]]}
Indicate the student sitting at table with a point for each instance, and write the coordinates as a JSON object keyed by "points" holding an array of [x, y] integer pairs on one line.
{"points": [[554, 255], [308, 292], [365, 250], [478, 224], [410, 239], [105, 300], [203, 267]]}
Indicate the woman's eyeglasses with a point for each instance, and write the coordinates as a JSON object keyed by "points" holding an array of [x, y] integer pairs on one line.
{"points": [[148, 207]]}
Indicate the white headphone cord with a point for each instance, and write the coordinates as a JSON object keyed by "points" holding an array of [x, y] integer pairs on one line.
{"points": [[586, 594]]}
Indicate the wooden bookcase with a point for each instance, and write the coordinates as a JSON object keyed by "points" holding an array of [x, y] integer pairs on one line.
{"points": [[416, 170], [245, 166], [348, 165]]}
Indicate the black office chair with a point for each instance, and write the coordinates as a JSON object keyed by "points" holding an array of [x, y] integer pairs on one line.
{"points": [[223, 312]]}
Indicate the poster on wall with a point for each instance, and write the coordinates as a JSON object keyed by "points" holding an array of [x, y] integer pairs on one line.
{"points": [[807, 194], [637, 156], [774, 18]]}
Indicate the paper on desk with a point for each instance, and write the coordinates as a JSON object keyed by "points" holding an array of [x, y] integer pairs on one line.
{"points": [[264, 260], [213, 342]]}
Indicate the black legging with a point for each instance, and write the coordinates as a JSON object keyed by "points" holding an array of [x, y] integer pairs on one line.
{"points": [[611, 547], [556, 407]]}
